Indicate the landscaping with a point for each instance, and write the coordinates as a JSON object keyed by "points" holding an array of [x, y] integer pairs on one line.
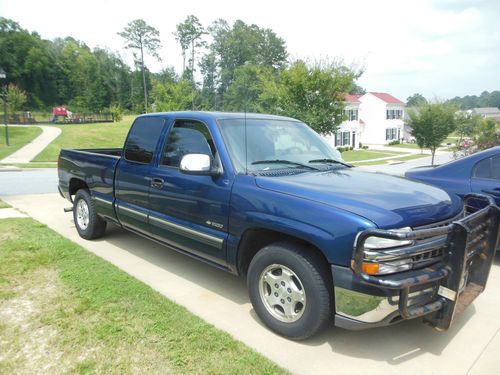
{"points": [[360, 155], [87, 136], [64, 310], [18, 137]]}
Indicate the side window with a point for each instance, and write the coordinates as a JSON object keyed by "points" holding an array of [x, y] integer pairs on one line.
{"points": [[483, 169], [187, 137], [142, 139], [495, 168]]}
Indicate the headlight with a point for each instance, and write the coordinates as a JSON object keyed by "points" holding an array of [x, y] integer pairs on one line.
{"points": [[374, 246], [385, 243]]}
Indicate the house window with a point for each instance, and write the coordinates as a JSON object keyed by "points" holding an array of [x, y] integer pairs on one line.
{"points": [[392, 114], [391, 134], [346, 138], [351, 114], [343, 139]]}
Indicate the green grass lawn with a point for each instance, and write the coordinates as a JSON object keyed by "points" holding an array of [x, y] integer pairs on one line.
{"points": [[37, 165], [405, 145], [87, 136], [358, 155], [65, 310], [398, 159], [3, 204], [18, 137]]}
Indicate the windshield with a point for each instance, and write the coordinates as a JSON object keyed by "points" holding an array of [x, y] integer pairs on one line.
{"points": [[285, 144]]}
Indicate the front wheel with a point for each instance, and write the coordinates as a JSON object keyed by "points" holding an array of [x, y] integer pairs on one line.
{"points": [[88, 224], [289, 286]]}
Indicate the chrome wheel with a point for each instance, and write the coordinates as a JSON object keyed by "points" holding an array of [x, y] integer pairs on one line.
{"points": [[282, 293], [82, 214]]}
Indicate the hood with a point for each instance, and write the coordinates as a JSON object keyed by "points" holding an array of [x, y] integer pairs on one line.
{"points": [[388, 201]]}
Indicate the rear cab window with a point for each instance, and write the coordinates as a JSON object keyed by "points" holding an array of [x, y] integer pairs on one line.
{"points": [[142, 139]]}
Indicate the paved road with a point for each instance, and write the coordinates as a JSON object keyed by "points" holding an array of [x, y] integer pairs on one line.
{"points": [[400, 169], [471, 346], [28, 181]]}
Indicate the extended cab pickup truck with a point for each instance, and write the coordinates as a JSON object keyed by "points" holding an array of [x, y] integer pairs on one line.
{"points": [[264, 196]]}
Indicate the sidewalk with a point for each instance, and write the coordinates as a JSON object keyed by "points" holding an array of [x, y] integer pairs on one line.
{"points": [[31, 150]]}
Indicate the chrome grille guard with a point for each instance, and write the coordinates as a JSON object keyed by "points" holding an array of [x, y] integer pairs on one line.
{"points": [[459, 277]]}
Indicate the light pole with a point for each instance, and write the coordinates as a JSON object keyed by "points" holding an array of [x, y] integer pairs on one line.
{"points": [[3, 75]]}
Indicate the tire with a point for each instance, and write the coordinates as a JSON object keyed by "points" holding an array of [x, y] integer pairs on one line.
{"points": [[88, 224], [289, 287]]}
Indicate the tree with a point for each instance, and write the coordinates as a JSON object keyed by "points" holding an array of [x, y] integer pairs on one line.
{"points": [[238, 45], [431, 124], [188, 34], [16, 98], [467, 126], [245, 92], [144, 38], [312, 93], [356, 89], [415, 100], [486, 135]]}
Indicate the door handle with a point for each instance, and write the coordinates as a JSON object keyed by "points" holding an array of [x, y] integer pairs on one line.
{"points": [[157, 183]]}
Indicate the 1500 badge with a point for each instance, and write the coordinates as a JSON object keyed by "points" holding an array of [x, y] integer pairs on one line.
{"points": [[215, 225]]}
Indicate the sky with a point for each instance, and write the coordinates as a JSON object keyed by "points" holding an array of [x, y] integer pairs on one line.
{"points": [[439, 48]]}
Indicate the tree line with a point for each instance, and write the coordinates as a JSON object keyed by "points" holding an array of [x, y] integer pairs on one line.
{"points": [[226, 67], [486, 99]]}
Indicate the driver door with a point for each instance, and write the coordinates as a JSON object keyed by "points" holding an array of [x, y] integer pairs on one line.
{"points": [[187, 211]]}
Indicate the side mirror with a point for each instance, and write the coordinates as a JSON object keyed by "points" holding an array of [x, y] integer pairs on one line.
{"points": [[199, 164]]}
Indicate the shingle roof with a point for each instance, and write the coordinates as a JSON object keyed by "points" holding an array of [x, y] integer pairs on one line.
{"points": [[352, 98], [487, 111], [388, 98]]}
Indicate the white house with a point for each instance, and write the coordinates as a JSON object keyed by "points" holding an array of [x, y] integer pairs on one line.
{"points": [[374, 118]]}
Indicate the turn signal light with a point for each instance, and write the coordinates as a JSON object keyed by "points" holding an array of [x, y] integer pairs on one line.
{"points": [[370, 268]]}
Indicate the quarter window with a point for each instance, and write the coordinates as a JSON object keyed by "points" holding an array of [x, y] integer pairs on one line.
{"points": [[142, 139], [488, 168]]}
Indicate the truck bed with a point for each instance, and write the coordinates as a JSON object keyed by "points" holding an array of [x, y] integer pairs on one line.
{"points": [[94, 166]]}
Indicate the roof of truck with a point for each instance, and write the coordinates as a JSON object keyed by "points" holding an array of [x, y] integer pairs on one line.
{"points": [[220, 115]]}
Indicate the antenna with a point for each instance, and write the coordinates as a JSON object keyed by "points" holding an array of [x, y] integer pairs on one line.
{"points": [[246, 104], [246, 144]]}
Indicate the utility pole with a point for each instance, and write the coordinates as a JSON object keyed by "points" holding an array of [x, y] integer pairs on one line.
{"points": [[3, 75]]}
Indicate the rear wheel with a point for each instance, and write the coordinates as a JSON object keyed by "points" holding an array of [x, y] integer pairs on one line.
{"points": [[88, 224], [289, 289]]}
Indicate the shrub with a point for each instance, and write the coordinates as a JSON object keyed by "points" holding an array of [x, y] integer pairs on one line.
{"points": [[116, 111], [364, 147], [395, 142]]}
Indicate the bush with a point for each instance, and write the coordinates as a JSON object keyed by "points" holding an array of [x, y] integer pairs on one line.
{"points": [[364, 147], [395, 142], [116, 111]]}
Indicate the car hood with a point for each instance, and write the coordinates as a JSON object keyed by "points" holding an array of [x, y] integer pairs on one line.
{"points": [[388, 201]]}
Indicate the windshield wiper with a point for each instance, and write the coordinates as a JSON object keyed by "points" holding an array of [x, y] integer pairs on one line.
{"points": [[329, 161], [282, 161]]}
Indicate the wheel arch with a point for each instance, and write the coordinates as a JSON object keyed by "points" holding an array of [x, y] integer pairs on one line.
{"points": [[254, 239], [76, 184]]}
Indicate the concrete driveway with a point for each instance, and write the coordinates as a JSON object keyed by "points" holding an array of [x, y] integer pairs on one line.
{"points": [[471, 346]]}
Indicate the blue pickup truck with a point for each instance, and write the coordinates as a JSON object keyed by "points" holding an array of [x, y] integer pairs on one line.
{"points": [[265, 197]]}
